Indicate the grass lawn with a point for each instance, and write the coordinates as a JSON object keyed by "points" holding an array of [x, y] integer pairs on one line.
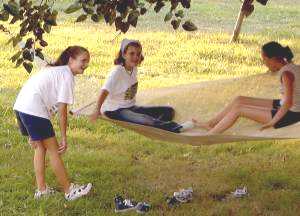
{"points": [[118, 161]]}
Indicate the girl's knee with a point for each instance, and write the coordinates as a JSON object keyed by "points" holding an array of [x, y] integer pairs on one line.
{"points": [[50, 144], [239, 100]]}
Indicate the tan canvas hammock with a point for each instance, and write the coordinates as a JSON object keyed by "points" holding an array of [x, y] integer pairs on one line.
{"points": [[202, 101]]}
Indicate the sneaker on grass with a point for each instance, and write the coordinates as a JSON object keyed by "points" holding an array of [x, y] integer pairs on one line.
{"points": [[184, 195], [240, 192], [47, 192], [77, 191], [142, 207], [124, 205]]}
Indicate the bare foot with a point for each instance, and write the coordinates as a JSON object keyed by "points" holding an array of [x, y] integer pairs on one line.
{"points": [[201, 124]]}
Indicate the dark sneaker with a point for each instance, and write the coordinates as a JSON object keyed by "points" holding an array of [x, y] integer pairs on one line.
{"points": [[124, 205], [172, 202], [142, 207]]}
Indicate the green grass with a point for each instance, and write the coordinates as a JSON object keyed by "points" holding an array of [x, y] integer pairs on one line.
{"points": [[116, 160]]}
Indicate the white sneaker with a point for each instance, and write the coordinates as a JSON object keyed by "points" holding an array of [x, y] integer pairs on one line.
{"points": [[184, 195], [187, 126], [77, 191], [240, 192], [47, 192]]}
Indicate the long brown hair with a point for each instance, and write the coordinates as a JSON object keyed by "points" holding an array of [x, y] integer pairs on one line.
{"points": [[119, 60], [71, 51]]}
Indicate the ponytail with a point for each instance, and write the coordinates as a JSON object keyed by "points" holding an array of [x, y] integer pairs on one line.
{"points": [[288, 54], [71, 51], [274, 49]]}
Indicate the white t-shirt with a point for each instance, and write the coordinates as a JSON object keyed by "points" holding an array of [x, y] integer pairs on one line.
{"points": [[122, 87], [43, 91]]}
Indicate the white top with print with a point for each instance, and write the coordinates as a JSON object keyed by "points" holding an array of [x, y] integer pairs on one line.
{"points": [[122, 87]]}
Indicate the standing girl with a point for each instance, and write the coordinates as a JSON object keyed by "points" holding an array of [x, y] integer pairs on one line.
{"points": [[44, 94], [117, 96], [271, 113]]}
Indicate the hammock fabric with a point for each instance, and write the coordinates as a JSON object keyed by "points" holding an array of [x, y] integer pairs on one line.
{"points": [[202, 101]]}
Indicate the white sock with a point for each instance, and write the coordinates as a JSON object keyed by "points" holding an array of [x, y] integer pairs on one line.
{"points": [[187, 126]]}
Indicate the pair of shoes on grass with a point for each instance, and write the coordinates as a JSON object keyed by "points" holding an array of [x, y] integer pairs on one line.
{"points": [[125, 205], [76, 191]]}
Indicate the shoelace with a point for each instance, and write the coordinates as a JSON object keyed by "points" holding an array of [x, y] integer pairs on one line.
{"points": [[128, 202]]}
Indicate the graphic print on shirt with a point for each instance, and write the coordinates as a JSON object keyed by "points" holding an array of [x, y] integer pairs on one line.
{"points": [[131, 92], [53, 110]]}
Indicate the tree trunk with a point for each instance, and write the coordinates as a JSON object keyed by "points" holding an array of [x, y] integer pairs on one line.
{"points": [[238, 26]]}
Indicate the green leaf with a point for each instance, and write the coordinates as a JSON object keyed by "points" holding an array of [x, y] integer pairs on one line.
{"points": [[159, 5], [168, 16], [179, 13], [124, 28], [88, 10], [16, 56], [12, 8], [16, 40], [43, 43], [185, 3], [39, 54], [29, 43], [51, 20], [81, 18], [73, 8], [28, 66], [47, 28], [28, 55], [10, 40], [95, 17], [175, 23], [4, 16], [143, 10], [133, 17], [189, 26], [19, 62]]}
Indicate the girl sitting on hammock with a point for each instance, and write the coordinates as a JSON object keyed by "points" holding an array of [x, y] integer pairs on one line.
{"points": [[271, 113], [117, 97]]}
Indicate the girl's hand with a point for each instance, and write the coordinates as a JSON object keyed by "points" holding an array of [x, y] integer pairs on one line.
{"points": [[267, 125], [62, 146], [94, 116]]}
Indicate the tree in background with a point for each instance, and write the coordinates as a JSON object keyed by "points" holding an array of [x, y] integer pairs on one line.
{"points": [[35, 18]]}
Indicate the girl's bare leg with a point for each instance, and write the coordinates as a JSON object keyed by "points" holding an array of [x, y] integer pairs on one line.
{"points": [[240, 100], [250, 112], [39, 165], [56, 163]]}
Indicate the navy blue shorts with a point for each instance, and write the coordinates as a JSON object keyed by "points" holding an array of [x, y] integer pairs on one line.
{"points": [[289, 118], [35, 127]]}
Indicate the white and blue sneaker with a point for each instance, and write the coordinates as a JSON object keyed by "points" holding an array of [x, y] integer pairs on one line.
{"points": [[77, 191], [240, 192], [142, 207], [124, 205], [184, 195], [45, 193]]}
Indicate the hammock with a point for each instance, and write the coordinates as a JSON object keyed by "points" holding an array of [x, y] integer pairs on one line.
{"points": [[199, 100], [202, 101]]}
